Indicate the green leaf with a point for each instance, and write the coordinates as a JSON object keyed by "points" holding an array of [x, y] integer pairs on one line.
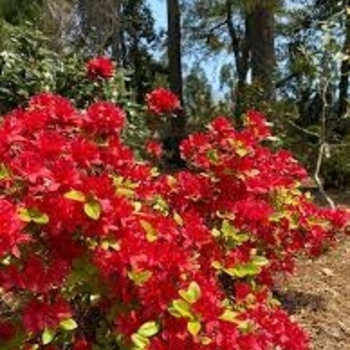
{"points": [[192, 294], [75, 196], [213, 156], [179, 308], [148, 329], [125, 192], [4, 173], [47, 336], [194, 327], [245, 326], [68, 324], [161, 205], [231, 232], [38, 217], [29, 215], [140, 341], [216, 265], [241, 151], [92, 209], [24, 215], [251, 269], [151, 233], [241, 271], [140, 277], [229, 316], [260, 261]]}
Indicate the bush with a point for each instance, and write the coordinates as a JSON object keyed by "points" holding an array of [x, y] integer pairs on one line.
{"points": [[29, 67], [102, 251]]}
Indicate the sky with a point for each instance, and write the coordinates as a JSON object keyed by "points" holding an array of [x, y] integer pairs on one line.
{"points": [[159, 11], [211, 68]]}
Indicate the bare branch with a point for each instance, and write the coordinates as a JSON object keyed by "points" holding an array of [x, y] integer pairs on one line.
{"points": [[323, 146]]}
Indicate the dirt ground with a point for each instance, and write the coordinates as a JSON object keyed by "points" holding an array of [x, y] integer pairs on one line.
{"points": [[318, 296]]}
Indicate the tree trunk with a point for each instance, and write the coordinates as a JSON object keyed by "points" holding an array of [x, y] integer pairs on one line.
{"points": [[117, 36], [175, 130], [262, 36], [344, 70]]}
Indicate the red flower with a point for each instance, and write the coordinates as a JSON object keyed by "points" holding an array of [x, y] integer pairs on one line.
{"points": [[154, 148], [81, 344], [162, 101], [104, 118], [100, 67], [11, 235], [38, 315], [7, 331]]}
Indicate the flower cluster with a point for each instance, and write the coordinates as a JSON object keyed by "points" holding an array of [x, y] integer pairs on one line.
{"points": [[162, 101], [101, 250], [100, 67]]}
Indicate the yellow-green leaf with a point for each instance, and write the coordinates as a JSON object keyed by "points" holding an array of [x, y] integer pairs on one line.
{"points": [[125, 192], [260, 261], [140, 341], [4, 173], [92, 209], [180, 308], [47, 336], [216, 265], [29, 215], [75, 196], [229, 316], [39, 218], [24, 215], [151, 233], [245, 326], [192, 294], [241, 271], [68, 324], [140, 277], [148, 329], [194, 327]]}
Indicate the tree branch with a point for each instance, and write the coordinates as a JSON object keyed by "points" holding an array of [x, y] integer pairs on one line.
{"points": [[324, 147], [235, 41]]}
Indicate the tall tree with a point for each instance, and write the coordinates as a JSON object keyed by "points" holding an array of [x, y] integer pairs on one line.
{"points": [[245, 30], [345, 66], [260, 34], [176, 129]]}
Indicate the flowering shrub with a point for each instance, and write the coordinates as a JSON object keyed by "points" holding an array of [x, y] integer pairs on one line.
{"points": [[101, 251]]}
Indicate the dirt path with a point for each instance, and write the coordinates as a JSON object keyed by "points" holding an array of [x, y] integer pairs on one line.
{"points": [[318, 298]]}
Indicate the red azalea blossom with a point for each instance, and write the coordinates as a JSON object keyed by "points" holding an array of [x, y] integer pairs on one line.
{"points": [[39, 315], [154, 148], [7, 331], [100, 67], [162, 101], [81, 344], [104, 118]]}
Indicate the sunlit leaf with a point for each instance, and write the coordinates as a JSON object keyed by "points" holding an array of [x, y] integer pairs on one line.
{"points": [[75, 196], [92, 209], [148, 329], [194, 327], [68, 324]]}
